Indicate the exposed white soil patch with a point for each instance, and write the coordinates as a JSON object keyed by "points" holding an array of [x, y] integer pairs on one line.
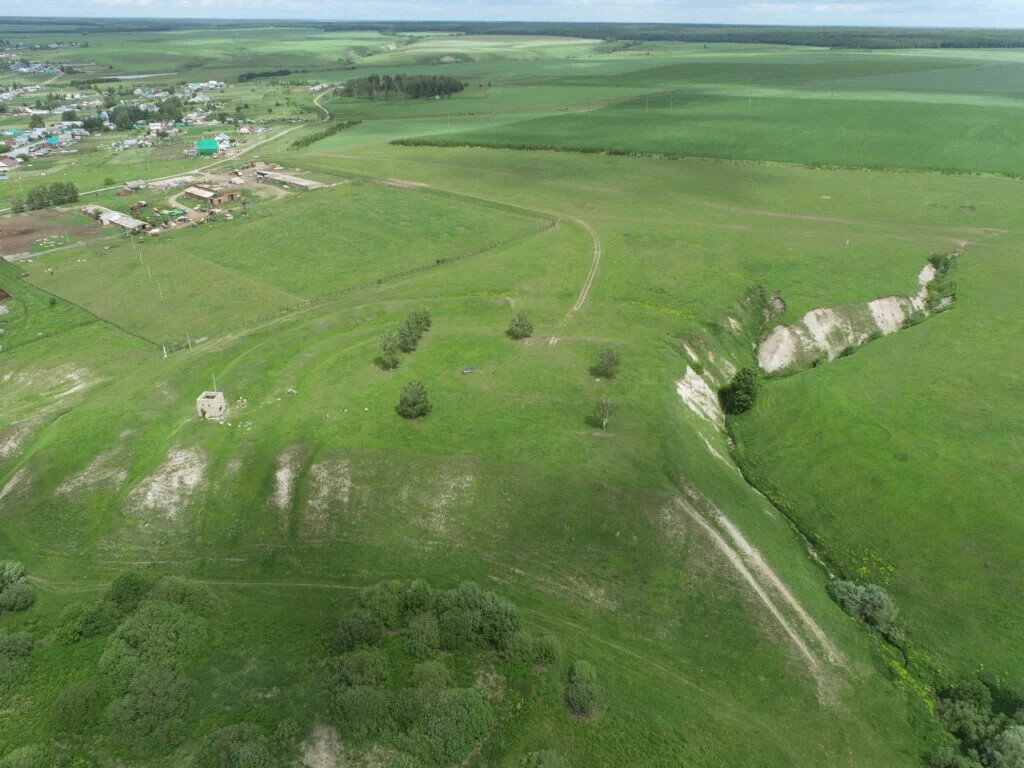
{"points": [[11, 485], [830, 330], [734, 324], [174, 483], [330, 485], [14, 437], [323, 749], [890, 312], [284, 480], [102, 470], [700, 398]]}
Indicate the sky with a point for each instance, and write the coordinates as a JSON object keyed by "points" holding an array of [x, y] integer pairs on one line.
{"points": [[920, 13]]}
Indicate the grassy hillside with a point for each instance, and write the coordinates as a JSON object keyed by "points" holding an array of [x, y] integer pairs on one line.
{"points": [[641, 548]]}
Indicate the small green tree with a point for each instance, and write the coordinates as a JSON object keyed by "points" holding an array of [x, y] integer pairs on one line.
{"points": [[36, 121], [607, 364], [421, 317], [408, 335], [413, 402], [17, 204], [521, 326], [603, 409], [740, 394], [582, 694], [388, 357]]}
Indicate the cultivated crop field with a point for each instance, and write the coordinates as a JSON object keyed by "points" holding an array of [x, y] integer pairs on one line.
{"points": [[565, 561]]}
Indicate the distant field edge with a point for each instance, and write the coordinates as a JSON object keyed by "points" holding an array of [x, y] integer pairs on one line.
{"points": [[519, 147]]}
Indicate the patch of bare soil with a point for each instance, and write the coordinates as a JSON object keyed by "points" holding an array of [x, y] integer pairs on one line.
{"points": [[323, 749], [19, 233], [173, 484], [105, 469], [330, 484], [14, 437], [700, 398], [16, 480]]}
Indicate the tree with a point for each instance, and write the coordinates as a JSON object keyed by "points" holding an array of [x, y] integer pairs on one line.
{"points": [[37, 121], [413, 402], [607, 364], [1007, 749], [521, 326], [123, 119], [38, 198], [408, 335], [69, 115], [17, 204], [740, 394], [388, 357], [603, 409]]}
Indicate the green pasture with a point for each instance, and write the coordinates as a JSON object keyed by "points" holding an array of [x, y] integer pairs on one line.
{"points": [[225, 273]]}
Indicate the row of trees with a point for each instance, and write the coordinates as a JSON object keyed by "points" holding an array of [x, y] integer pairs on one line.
{"points": [[46, 196], [410, 86], [405, 339]]}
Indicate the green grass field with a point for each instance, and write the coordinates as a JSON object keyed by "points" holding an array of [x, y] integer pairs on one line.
{"points": [[642, 548]]}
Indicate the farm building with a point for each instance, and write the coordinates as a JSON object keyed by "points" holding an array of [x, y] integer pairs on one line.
{"points": [[211, 405], [118, 219], [211, 195], [288, 180], [207, 147]]}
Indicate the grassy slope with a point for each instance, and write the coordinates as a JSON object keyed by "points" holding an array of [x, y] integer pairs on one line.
{"points": [[569, 524], [908, 451], [454, 498]]}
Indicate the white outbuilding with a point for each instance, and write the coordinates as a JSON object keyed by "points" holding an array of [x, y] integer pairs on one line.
{"points": [[211, 405]]}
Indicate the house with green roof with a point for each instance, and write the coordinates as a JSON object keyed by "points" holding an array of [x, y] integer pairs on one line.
{"points": [[207, 147]]}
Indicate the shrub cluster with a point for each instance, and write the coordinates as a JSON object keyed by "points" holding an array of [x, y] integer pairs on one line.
{"points": [[242, 745], [546, 758], [16, 594], [142, 691], [740, 394], [413, 704], [868, 602], [405, 339], [582, 694], [15, 655], [521, 326], [984, 736], [29, 757]]}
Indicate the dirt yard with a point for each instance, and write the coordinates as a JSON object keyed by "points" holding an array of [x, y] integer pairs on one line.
{"points": [[19, 233]]}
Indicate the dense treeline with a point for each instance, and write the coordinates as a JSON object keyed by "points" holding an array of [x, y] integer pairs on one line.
{"points": [[330, 130], [834, 37], [411, 86], [247, 76]]}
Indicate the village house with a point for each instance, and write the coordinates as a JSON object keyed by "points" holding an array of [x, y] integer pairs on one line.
{"points": [[210, 195]]}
